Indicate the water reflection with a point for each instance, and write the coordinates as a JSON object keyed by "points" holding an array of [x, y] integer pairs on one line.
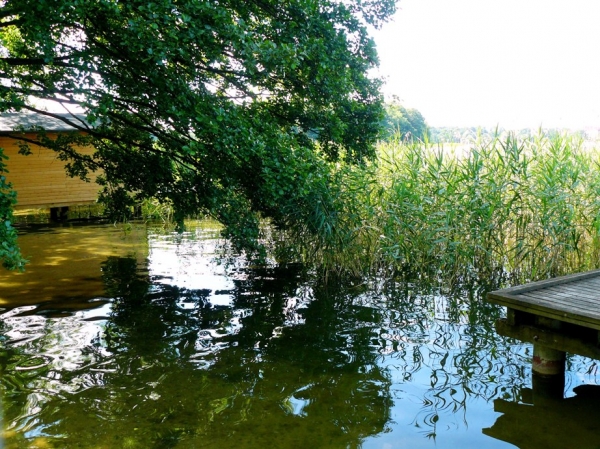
{"points": [[195, 354], [551, 423], [138, 369], [65, 260]]}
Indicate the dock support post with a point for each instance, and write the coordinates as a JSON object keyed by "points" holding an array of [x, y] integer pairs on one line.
{"points": [[548, 362], [59, 213], [548, 366], [548, 374]]}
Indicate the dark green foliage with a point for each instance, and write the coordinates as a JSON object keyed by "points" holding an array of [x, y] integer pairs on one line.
{"points": [[407, 123], [10, 255], [226, 108]]}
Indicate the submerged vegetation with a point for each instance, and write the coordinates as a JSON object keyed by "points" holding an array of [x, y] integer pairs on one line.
{"points": [[500, 208]]}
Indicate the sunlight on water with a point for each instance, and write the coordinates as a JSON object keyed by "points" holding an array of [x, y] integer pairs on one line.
{"points": [[159, 343], [188, 261]]}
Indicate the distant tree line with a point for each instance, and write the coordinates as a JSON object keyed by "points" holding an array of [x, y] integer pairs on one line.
{"points": [[402, 122], [452, 134], [409, 124]]}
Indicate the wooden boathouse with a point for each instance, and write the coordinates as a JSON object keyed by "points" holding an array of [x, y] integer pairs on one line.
{"points": [[39, 178]]}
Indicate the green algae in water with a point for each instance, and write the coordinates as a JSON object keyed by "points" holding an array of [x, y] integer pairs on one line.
{"points": [[179, 351]]}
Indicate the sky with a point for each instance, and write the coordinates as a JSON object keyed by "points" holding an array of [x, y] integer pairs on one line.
{"points": [[512, 63]]}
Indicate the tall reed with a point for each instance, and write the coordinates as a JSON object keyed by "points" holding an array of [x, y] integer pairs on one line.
{"points": [[502, 207]]}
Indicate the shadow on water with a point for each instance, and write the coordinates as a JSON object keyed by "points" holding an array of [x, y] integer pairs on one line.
{"points": [[550, 423], [274, 357]]}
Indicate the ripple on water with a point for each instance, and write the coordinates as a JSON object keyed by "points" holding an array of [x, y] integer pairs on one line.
{"points": [[33, 363]]}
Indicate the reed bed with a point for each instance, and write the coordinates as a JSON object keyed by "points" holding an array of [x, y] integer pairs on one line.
{"points": [[502, 208]]}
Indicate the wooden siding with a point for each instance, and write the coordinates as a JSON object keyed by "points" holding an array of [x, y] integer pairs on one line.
{"points": [[40, 179]]}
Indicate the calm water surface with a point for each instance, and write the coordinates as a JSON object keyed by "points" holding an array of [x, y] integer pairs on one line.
{"points": [[144, 339]]}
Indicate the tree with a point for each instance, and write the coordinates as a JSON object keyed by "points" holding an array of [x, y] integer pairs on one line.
{"points": [[409, 123], [230, 108]]}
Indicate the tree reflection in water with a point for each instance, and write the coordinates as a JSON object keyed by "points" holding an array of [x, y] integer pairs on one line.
{"points": [[167, 369], [289, 361]]}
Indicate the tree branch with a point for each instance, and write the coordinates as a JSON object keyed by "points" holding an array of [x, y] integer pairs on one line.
{"points": [[34, 61]]}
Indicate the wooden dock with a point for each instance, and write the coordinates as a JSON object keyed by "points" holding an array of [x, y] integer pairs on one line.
{"points": [[573, 299], [556, 315]]}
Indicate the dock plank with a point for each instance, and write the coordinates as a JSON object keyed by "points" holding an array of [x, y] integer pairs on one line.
{"points": [[574, 308], [523, 302], [573, 298], [583, 286], [566, 297], [551, 282], [585, 306]]}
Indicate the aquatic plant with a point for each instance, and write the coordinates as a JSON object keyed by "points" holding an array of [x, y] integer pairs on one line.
{"points": [[500, 208]]}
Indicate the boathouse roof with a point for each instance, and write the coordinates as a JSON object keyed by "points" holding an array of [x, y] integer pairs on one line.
{"points": [[23, 121]]}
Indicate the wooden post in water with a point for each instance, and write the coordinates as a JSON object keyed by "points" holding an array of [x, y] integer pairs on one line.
{"points": [[548, 362], [548, 366], [59, 213]]}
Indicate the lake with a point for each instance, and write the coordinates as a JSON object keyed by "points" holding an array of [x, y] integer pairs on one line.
{"points": [[138, 337]]}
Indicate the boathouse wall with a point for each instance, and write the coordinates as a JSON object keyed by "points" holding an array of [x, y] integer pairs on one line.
{"points": [[40, 179]]}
